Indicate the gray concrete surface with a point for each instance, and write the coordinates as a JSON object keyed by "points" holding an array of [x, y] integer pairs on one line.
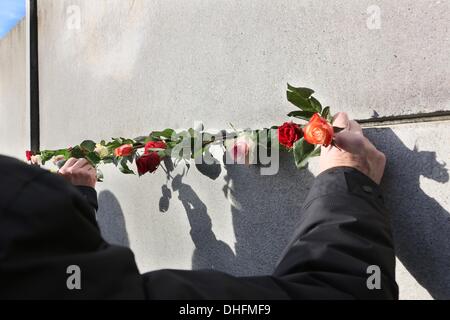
{"points": [[169, 62], [134, 66], [14, 123], [417, 192]]}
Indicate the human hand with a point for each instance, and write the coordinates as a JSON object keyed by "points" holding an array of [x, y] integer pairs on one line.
{"points": [[79, 172], [356, 150]]}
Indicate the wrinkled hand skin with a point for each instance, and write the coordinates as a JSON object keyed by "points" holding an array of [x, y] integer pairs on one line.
{"points": [[356, 150], [79, 172]]}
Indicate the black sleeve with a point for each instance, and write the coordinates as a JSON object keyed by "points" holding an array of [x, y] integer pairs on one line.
{"points": [[344, 229], [46, 228], [90, 195]]}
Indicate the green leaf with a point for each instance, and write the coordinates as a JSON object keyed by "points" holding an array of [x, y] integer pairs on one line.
{"points": [[46, 155], [302, 152], [316, 104], [88, 145], [76, 152], [304, 115], [167, 133], [158, 135], [316, 152], [93, 158], [300, 102], [303, 92], [329, 115], [123, 166], [171, 144], [114, 144], [326, 113]]}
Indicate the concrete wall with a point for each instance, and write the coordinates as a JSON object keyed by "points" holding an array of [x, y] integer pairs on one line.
{"points": [[14, 123], [124, 68]]}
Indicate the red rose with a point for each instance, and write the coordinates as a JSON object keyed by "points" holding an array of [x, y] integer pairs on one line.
{"points": [[148, 163], [124, 151], [28, 154], [154, 144], [289, 133], [318, 131]]}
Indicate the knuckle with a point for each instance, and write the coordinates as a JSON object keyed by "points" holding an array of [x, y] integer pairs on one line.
{"points": [[380, 156]]}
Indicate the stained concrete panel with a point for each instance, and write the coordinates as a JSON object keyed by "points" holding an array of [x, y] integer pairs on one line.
{"points": [[14, 123]]}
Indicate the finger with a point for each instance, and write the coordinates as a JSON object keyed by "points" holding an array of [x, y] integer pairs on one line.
{"points": [[351, 142], [69, 163], [80, 164], [355, 127], [91, 170], [341, 120]]}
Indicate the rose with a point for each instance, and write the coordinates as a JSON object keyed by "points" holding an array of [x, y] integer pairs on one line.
{"points": [[101, 150], [124, 150], [28, 154], [148, 163], [154, 145], [289, 133], [318, 131], [240, 149]]}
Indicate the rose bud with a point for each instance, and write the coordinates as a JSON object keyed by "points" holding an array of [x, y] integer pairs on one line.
{"points": [[148, 163], [240, 149], [101, 150], [154, 145], [318, 131], [124, 151], [28, 154], [289, 133]]}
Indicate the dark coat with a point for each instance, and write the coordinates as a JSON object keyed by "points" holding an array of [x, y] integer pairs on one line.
{"points": [[46, 225]]}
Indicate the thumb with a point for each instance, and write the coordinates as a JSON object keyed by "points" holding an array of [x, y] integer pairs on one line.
{"points": [[341, 120]]}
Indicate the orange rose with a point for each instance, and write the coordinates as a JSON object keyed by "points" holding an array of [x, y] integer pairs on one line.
{"points": [[124, 151], [318, 131]]}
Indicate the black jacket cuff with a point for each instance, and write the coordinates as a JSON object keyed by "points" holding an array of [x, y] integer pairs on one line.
{"points": [[345, 180], [90, 195]]}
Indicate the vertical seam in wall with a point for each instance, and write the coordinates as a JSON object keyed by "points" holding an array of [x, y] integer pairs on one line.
{"points": [[34, 79]]}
